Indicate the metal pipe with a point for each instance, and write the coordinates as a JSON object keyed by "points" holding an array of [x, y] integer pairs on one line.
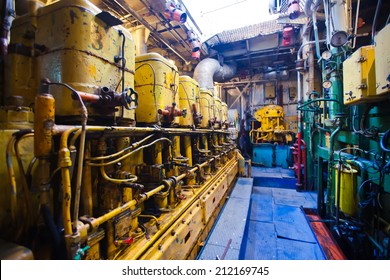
{"points": [[65, 162], [155, 237], [130, 153], [317, 100], [299, 114], [299, 164], [7, 17], [338, 187], [209, 70], [315, 28], [132, 146], [181, 39], [132, 179], [299, 53], [87, 188], [356, 23], [309, 11], [304, 163], [189, 15], [150, 27], [119, 210], [378, 5]]}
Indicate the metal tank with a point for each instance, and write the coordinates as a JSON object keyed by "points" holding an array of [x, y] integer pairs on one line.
{"points": [[217, 112], [156, 81], [224, 116], [79, 46], [206, 108], [346, 185], [189, 98]]}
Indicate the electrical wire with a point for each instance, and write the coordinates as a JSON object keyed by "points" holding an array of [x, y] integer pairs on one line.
{"points": [[384, 140], [366, 202]]}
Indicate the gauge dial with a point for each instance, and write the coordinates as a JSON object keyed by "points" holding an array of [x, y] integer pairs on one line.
{"points": [[326, 84], [339, 38], [326, 55]]}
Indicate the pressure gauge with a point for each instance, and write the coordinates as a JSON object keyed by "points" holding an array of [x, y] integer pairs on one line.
{"points": [[326, 55], [326, 84], [338, 39]]}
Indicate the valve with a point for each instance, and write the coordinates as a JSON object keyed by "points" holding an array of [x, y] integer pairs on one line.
{"points": [[170, 112], [81, 252], [124, 242], [129, 98]]}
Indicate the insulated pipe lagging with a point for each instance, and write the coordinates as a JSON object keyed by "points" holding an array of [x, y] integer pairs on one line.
{"points": [[308, 9], [209, 71]]}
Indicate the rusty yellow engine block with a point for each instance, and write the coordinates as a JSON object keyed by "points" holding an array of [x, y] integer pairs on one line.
{"points": [[271, 126]]}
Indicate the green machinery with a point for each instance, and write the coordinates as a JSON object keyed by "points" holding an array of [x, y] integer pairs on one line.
{"points": [[346, 128]]}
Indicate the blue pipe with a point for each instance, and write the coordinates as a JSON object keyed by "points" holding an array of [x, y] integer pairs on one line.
{"points": [[315, 28]]}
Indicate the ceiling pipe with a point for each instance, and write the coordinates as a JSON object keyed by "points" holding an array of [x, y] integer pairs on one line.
{"points": [[308, 10], [152, 7], [209, 70], [7, 17], [156, 35]]}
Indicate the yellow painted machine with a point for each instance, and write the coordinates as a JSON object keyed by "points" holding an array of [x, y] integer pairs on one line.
{"points": [[103, 158], [269, 126], [189, 97]]}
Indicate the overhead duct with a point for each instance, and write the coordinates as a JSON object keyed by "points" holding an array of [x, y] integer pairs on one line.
{"points": [[309, 11], [209, 70]]}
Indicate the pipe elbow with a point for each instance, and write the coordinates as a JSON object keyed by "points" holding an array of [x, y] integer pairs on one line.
{"points": [[209, 70]]}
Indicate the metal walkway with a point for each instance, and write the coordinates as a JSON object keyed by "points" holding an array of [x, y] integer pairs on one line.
{"points": [[264, 221], [225, 240]]}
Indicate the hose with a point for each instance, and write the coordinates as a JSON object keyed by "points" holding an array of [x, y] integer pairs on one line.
{"points": [[383, 143], [384, 140], [134, 145], [130, 153]]}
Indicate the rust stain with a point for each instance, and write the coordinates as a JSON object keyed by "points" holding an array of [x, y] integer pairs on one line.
{"points": [[97, 37], [73, 16]]}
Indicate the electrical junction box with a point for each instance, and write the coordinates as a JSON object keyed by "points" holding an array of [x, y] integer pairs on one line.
{"points": [[292, 92], [382, 64], [270, 91], [359, 76]]}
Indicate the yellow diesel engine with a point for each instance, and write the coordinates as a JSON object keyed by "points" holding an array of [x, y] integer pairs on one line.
{"points": [[108, 154], [269, 126]]}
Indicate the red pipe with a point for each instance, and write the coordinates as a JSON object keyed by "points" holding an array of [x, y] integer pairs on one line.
{"points": [[304, 183], [299, 166], [88, 97]]}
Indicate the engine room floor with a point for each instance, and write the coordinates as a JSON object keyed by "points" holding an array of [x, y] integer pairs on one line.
{"points": [[225, 240], [272, 214]]}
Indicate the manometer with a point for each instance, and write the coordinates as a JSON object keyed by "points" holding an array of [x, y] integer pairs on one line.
{"points": [[326, 84], [339, 38], [326, 55]]}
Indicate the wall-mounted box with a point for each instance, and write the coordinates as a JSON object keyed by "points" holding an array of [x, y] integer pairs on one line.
{"points": [[292, 92], [359, 76], [382, 63], [270, 91]]}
